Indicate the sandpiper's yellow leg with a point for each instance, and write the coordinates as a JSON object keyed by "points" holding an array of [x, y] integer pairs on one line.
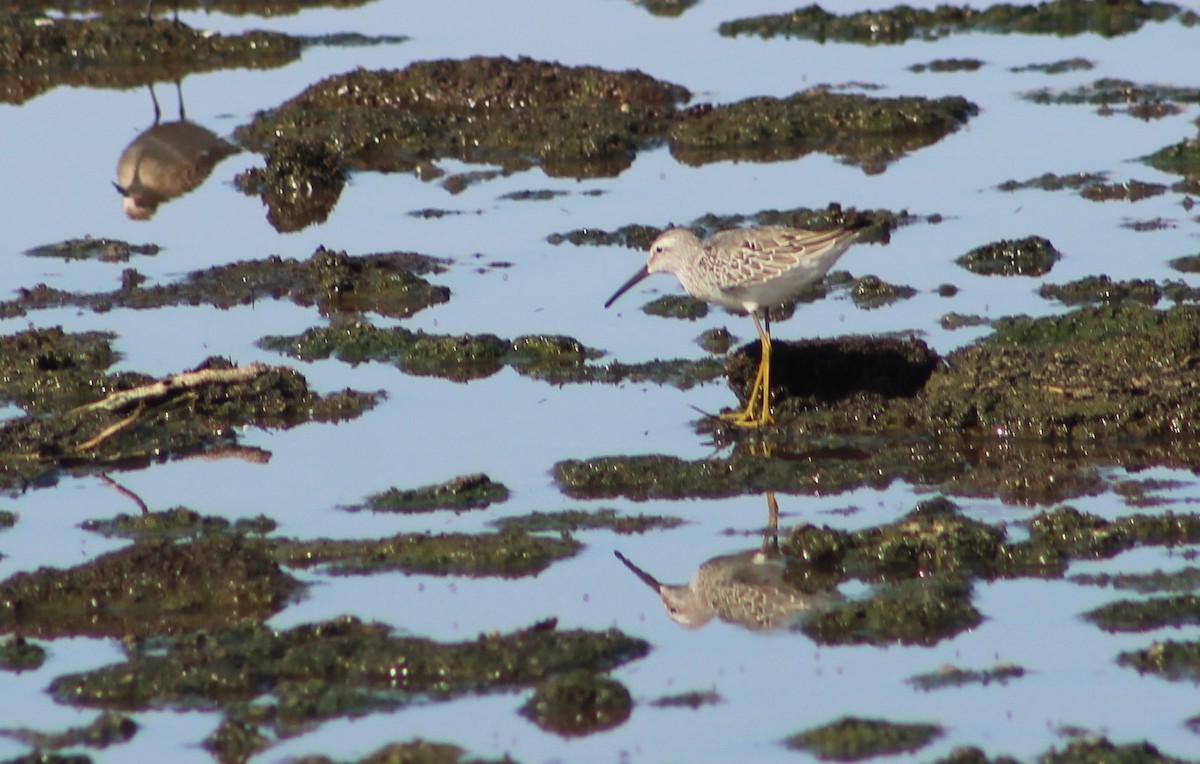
{"points": [[761, 388]]}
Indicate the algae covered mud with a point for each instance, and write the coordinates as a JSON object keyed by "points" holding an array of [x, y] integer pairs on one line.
{"points": [[318, 444]]}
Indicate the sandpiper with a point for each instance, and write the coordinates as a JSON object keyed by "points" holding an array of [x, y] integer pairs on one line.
{"points": [[749, 269]]}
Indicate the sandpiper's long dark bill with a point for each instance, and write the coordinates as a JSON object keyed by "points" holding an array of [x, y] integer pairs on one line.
{"points": [[748, 269], [641, 274]]}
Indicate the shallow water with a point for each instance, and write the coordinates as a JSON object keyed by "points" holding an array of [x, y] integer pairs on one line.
{"points": [[59, 154]]}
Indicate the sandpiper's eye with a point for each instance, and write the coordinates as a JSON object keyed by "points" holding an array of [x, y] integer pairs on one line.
{"points": [[658, 250]]}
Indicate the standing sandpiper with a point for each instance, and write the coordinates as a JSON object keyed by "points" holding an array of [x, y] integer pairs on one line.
{"points": [[751, 269]]}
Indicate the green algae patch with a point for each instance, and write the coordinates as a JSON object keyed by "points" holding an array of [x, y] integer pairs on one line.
{"points": [[575, 520], [1147, 615], [140, 421], [234, 741], [509, 555], [19, 654], [309, 673], [1111, 91], [389, 284], [953, 676], [415, 752], [870, 292], [1179, 661], [717, 340], [299, 183], [106, 729], [912, 612], [572, 121], [877, 223], [1185, 580], [578, 703], [38, 53], [1089, 185], [676, 306], [902, 23], [943, 65], [462, 358], [46, 369], [88, 248], [1091, 290], [1031, 256], [864, 131], [476, 491], [1092, 751], [1062, 66], [176, 523], [1036, 413], [853, 739], [693, 700], [147, 589]]}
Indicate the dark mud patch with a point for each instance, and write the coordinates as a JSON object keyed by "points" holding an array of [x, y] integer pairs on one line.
{"points": [[137, 8], [577, 703], [676, 306], [175, 524], [716, 341], [105, 730], [894, 26], [1139, 100], [415, 752], [87, 248], [462, 358], [516, 114], [580, 122], [1186, 580], [465, 492], [1092, 290], [693, 700], [640, 236], [1147, 615], [1176, 661], [863, 131], [953, 676], [149, 588], [83, 419], [19, 654], [507, 554], [1091, 186], [1034, 413], [575, 520], [285, 681], [299, 183], [870, 292], [851, 739], [338, 284], [1061, 66], [944, 65], [38, 53], [1031, 256]]}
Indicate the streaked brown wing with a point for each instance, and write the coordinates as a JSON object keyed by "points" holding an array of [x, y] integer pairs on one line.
{"points": [[754, 256]]}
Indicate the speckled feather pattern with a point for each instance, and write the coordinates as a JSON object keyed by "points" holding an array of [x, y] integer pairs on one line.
{"points": [[749, 268]]}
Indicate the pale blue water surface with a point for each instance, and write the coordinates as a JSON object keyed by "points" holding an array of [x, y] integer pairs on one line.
{"points": [[58, 156]]}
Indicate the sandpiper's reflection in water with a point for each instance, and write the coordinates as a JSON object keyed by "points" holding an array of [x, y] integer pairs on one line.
{"points": [[747, 588], [166, 161]]}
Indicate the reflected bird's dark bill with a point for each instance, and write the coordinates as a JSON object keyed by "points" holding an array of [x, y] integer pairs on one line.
{"points": [[641, 274]]}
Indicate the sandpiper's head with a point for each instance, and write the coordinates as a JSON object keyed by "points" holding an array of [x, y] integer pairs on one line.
{"points": [[672, 250], [668, 254]]}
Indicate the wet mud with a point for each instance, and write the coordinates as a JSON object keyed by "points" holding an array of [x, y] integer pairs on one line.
{"points": [[851, 739], [81, 419], [282, 682], [579, 703], [462, 358], [476, 491], [575, 520], [1031, 256], [388, 284], [578, 122], [953, 676], [902, 23], [38, 53]]}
